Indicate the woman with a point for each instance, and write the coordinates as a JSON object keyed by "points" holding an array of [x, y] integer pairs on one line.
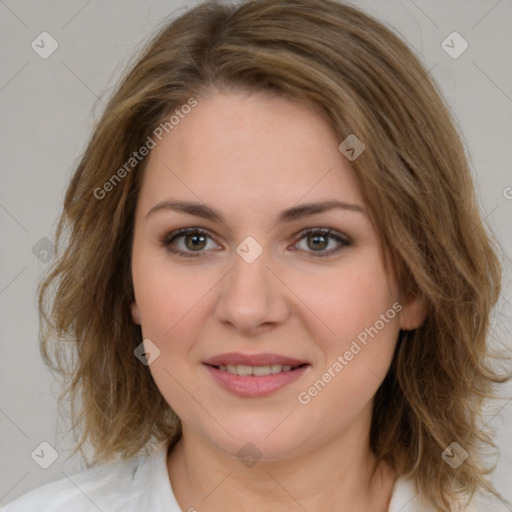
{"points": [[276, 271]]}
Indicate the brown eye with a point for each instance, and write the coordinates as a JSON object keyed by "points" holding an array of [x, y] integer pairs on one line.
{"points": [[195, 242], [318, 240], [186, 242]]}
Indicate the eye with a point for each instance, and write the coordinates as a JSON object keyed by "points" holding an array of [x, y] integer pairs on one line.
{"points": [[186, 242], [318, 240], [192, 242]]}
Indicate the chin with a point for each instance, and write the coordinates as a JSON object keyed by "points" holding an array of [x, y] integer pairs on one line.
{"points": [[262, 440]]}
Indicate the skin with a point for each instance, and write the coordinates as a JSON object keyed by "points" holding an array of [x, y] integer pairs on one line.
{"points": [[250, 157]]}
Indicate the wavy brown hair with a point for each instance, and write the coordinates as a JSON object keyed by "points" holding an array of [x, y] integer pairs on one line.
{"points": [[416, 181]]}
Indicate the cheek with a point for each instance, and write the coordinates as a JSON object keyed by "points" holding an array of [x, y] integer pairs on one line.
{"points": [[366, 325], [348, 301], [354, 361], [356, 333], [171, 318], [173, 307], [166, 298]]}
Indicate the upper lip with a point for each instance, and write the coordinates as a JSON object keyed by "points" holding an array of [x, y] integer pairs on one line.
{"points": [[266, 359]]}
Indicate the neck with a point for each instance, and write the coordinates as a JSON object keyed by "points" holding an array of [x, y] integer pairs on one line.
{"points": [[338, 476]]}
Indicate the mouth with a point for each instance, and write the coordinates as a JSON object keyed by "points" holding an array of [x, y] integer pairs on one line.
{"points": [[255, 375], [243, 370]]}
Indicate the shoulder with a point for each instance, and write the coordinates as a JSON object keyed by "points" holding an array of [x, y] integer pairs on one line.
{"points": [[407, 498], [115, 486]]}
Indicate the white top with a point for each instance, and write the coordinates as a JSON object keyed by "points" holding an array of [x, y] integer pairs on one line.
{"points": [[142, 485]]}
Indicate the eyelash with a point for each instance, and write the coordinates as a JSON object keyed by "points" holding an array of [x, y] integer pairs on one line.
{"points": [[326, 232]]}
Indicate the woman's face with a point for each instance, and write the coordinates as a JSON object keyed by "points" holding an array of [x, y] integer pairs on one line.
{"points": [[245, 293]]}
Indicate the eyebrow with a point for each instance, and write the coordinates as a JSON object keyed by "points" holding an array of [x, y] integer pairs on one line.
{"points": [[289, 215]]}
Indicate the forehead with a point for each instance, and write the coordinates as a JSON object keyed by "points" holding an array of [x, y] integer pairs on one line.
{"points": [[240, 149]]}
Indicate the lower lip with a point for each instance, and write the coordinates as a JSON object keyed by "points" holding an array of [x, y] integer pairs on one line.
{"points": [[251, 386]]}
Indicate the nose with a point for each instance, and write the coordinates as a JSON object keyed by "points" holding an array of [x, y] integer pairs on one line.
{"points": [[252, 299]]}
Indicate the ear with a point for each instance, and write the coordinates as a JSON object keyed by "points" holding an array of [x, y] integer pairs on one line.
{"points": [[413, 313], [135, 313]]}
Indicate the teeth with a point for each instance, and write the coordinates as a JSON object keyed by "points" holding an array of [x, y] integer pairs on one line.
{"points": [[275, 368], [241, 369], [258, 371]]}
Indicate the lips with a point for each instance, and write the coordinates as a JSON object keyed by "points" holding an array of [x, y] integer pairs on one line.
{"points": [[255, 375], [267, 359]]}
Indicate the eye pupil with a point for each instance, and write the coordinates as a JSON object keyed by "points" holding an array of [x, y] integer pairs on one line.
{"points": [[198, 241], [194, 241], [319, 241]]}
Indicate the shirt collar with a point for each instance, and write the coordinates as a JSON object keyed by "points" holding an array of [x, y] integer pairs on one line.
{"points": [[160, 494]]}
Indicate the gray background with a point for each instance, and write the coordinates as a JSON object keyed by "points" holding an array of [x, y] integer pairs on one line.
{"points": [[49, 106]]}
